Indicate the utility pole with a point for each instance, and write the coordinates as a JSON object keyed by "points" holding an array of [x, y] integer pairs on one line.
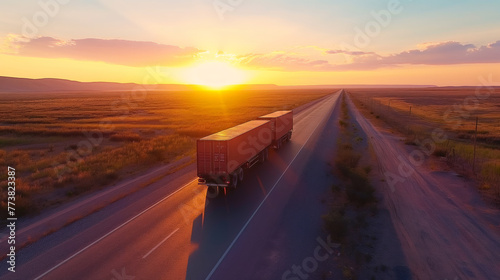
{"points": [[475, 143]]}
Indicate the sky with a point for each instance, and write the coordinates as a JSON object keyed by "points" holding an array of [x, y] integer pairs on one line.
{"points": [[218, 42]]}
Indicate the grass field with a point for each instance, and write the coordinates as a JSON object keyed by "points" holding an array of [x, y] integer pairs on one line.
{"points": [[66, 144], [416, 113]]}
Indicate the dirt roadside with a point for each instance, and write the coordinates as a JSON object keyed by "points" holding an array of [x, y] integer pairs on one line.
{"points": [[445, 229], [357, 217]]}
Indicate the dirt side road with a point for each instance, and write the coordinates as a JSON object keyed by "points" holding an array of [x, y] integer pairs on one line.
{"points": [[445, 229]]}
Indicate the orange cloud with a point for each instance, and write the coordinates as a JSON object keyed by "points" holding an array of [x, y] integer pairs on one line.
{"points": [[121, 52], [283, 61], [447, 53], [315, 59]]}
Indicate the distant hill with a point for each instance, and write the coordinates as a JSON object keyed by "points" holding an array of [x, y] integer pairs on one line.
{"points": [[11, 84]]}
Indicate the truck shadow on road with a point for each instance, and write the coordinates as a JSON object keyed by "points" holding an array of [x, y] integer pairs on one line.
{"points": [[223, 217], [214, 231]]}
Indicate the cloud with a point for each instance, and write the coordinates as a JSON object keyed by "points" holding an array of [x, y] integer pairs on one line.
{"points": [[353, 53], [283, 61], [447, 53], [444, 53], [114, 51], [309, 58], [288, 61]]}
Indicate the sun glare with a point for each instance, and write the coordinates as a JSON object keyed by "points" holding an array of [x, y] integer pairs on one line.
{"points": [[214, 74]]}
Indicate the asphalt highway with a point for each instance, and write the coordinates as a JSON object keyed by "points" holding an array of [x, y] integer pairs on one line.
{"points": [[170, 230]]}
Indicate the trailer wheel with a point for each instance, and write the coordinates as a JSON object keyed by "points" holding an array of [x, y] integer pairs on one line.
{"points": [[240, 174], [234, 180], [264, 155], [212, 192]]}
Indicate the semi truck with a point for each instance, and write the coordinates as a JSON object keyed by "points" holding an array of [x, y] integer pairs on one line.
{"points": [[223, 156], [281, 126]]}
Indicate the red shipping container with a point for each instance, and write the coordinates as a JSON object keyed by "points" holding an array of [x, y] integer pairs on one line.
{"points": [[282, 123], [225, 151]]}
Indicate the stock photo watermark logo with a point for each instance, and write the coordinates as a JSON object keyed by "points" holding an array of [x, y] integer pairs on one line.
{"points": [[379, 20], [251, 146], [192, 210], [122, 275], [93, 139], [48, 9], [454, 116], [310, 264], [222, 7]]}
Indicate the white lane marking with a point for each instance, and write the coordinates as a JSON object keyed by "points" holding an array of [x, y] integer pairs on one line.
{"points": [[260, 205], [91, 199], [170, 235], [115, 229]]}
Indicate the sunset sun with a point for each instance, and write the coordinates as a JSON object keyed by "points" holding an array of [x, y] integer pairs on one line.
{"points": [[214, 74]]}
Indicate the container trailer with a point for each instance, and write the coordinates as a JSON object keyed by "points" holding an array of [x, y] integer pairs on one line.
{"points": [[223, 156], [281, 126]]}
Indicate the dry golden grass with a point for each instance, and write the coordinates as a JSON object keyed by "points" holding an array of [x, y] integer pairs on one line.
{"points": [[452, 108], [448, 109], [40, 134]]}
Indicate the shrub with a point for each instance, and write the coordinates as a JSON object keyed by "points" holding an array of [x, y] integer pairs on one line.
{"points": [[410, 142], [335, 188], [127, 137], [367, 169], [336, 225], [440, 152], [347, 160], [359, 189]]}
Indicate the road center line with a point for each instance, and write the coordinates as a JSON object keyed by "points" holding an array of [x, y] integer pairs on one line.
{"points": [[260, 205], [115, 229], [165, 198], [170, 235]]}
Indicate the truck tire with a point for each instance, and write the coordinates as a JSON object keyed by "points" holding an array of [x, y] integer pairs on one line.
{"points": [[213, 192], [240, 174], [234, 180], [264, 155]]}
